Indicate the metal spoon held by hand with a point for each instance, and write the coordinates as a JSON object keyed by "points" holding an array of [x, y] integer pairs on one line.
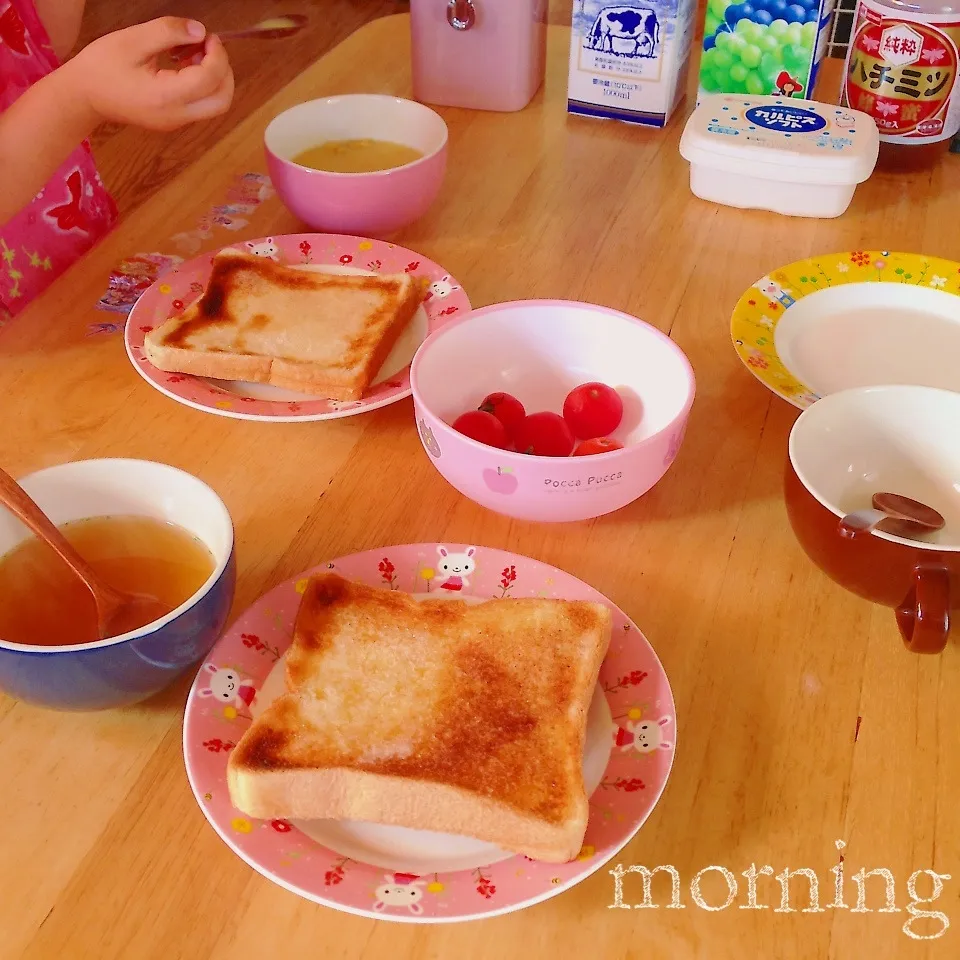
{"points": [[274, 28], [895, 514], [117, 613]]}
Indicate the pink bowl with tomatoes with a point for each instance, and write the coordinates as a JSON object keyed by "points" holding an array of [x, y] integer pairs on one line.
{"points": [[539, 351]]}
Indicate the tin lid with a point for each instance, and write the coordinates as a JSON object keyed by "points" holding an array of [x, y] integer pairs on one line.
{"points": [[781, 138], [934, 9]]}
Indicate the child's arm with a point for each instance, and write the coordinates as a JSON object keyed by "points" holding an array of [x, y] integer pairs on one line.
{"points": [[61, 19], [42, 128], [115, 78]]}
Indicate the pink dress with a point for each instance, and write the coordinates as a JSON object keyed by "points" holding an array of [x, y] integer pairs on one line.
{"points": [[73, 211]]}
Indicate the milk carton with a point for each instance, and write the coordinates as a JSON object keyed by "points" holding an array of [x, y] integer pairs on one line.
{"points": [[628, 59]]}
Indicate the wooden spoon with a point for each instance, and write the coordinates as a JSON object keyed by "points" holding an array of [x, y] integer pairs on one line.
{"points": [[117, 613], [898, 515], [274, 28]]}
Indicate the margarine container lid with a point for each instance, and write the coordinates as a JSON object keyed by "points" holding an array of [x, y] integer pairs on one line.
{"points": [[781, 138]]}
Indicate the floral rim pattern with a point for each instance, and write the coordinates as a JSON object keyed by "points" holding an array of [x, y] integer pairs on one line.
{"points": [[759, 311]]}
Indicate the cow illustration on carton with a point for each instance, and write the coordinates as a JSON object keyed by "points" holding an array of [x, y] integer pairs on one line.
{"points": [[625, 31]]}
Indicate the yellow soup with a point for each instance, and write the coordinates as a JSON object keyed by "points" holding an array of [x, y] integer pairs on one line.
{"points": [[43, 602], [357, 156]]}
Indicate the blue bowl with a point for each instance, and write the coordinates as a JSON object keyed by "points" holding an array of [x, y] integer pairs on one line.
{"points": [[132, 667]]}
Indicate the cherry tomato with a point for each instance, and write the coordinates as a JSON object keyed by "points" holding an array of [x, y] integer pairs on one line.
{"points": [[544, 435], [593, 410], [483, 427], [597, 445], [506, 408]]}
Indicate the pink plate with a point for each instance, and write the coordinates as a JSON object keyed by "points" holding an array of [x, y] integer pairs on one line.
{"points": [[637, 734], [174, 291]]}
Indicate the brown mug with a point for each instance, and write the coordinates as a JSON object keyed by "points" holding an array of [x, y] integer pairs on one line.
{"points": [[852, 444]]}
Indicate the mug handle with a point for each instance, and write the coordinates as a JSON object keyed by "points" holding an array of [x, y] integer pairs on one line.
{"points": [[924, 616]]}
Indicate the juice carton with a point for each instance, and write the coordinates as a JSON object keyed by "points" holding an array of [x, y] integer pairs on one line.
{"points": [[628, 60], [764, 47]]}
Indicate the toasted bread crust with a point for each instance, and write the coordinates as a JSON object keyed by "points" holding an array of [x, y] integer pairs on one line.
{"points": [[388, 302], [431, 714]]}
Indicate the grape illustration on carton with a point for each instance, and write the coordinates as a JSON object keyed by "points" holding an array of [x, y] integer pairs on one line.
{"points": [[764, 47]]}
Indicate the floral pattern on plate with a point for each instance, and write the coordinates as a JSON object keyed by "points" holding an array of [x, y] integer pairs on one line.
{"points": [[759, 311], [444, 299], [632, 679]]}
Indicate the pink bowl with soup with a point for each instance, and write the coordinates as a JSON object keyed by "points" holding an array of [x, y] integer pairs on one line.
{"points": [[371, 204], [538, 351]]}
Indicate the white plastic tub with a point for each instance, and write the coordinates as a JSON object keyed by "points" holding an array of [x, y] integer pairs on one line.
{"points": [[796, 157]]}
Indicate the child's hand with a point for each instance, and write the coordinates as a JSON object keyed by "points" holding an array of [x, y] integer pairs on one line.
{"points": [[119, 78]]}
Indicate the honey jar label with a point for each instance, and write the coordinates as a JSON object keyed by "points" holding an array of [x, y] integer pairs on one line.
{"points": [[902, 71]]}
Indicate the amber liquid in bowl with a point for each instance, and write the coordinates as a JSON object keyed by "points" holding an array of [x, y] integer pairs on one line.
{"points": [[357, 156], [42, 601]]}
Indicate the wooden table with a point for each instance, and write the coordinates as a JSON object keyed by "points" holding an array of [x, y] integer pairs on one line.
{"points": [[802, 719]]}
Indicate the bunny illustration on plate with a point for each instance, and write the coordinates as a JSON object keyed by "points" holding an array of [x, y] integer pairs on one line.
{"points": [[266, 248], [227, 687], [770, 288], [456, 567], [644, 737], [442, 288], [400, 890]]}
